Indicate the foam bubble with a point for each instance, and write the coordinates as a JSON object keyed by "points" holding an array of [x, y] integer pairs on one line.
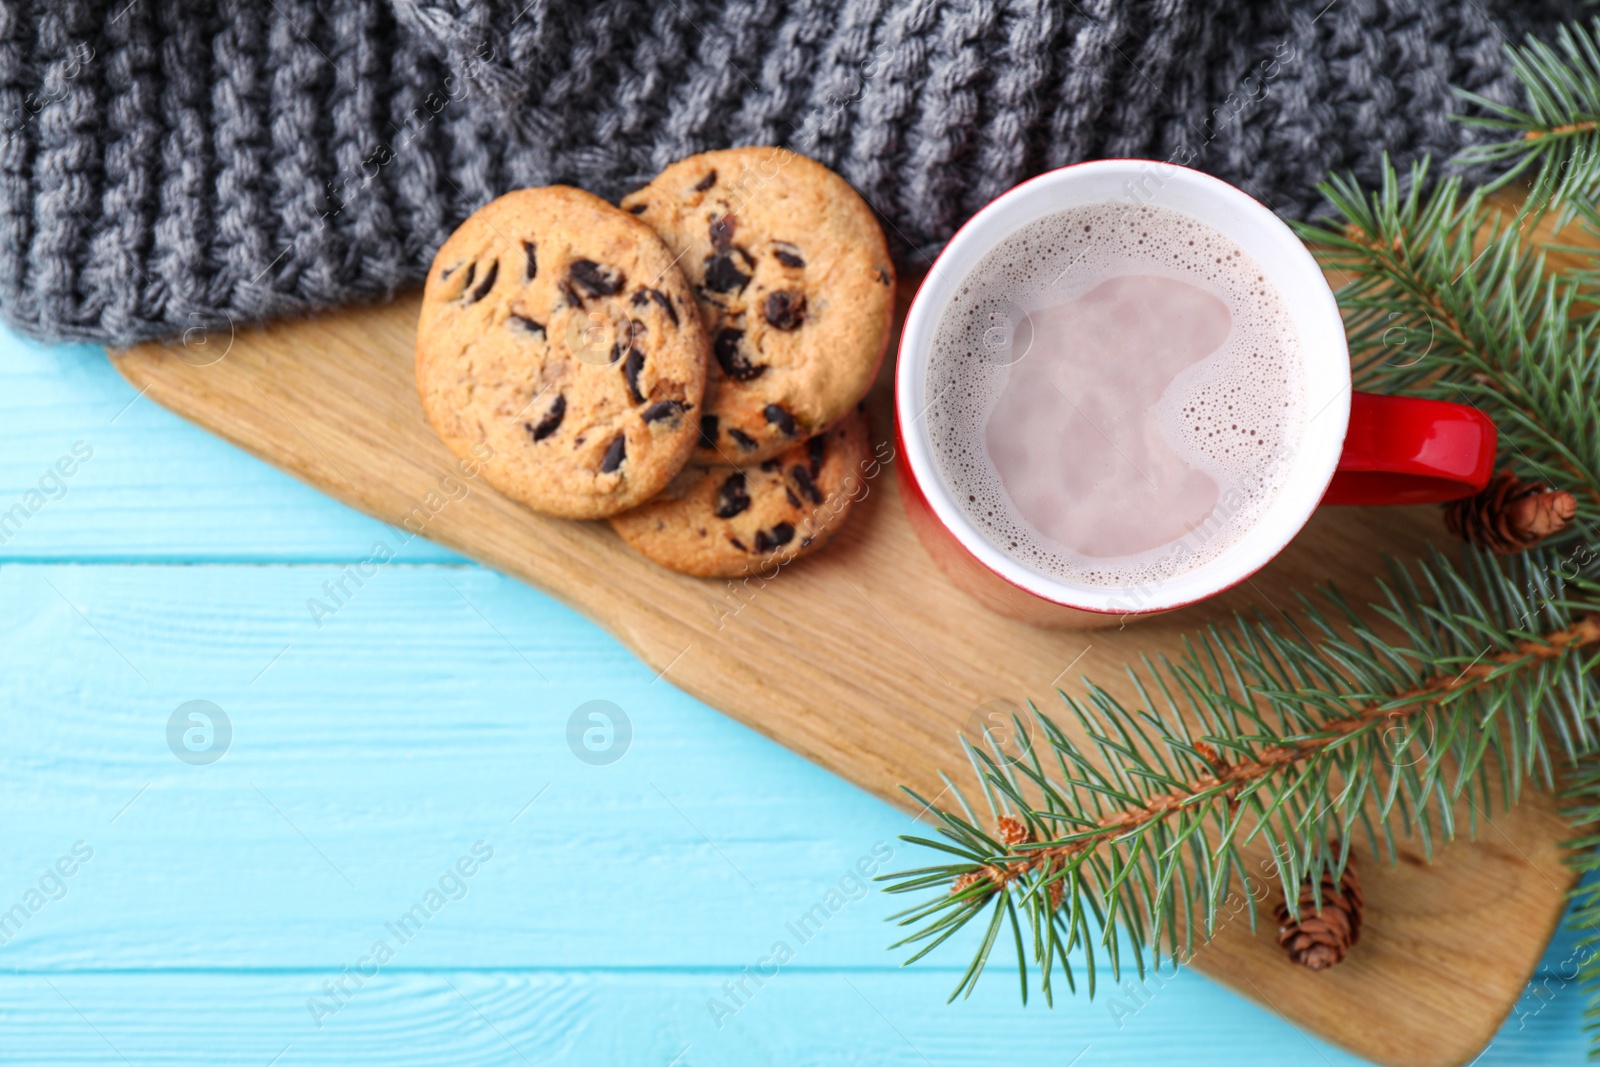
{"points": [[1237, 415]]}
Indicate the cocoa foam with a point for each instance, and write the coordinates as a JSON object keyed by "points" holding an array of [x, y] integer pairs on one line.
{"points": [[1236, 415]]}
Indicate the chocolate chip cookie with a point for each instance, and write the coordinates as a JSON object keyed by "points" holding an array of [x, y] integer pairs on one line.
{"points": [[796, 290], [556, 331], [722, 522]]}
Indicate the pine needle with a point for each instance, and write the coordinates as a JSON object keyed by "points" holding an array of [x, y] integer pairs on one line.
{"points": [[1463, 684]]}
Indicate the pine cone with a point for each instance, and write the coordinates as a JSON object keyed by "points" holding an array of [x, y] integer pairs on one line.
{"points": [[1319, 940], [1013, 831], [1510, 515], [965, 881]]}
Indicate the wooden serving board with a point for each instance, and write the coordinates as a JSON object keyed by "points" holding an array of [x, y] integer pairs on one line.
{"points": [[868, 661]]}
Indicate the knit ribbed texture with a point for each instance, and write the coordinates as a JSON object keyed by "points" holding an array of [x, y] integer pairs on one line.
{"points": [[168, 165]]}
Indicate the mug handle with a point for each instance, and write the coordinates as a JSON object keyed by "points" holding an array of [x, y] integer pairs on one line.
{"points": [[1407, 450]]}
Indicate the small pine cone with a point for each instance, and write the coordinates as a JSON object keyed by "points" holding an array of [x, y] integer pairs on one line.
{"points": [[1055, 895], [1510, 515], [966, 881], [1355, 233], [1320, 939], [1013, 831]]}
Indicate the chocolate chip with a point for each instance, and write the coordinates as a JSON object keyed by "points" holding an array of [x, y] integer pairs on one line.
{"points": [[784, 309], [631, 367], [707, 182], [883, 275], [708, 431], [488, 283], [802, 478], [723, 274], [638, 209], [787, 254], [594, 279], [446, 272], [737, 544], [733, 497], [794, 501], [526, 324], [770, 465], [533, 260], [570, 294], [644, 296], [616, 452], [636, 330], [664, 409], [814, 449], [777, 537], [722, 229], [780, 418], [731, 359], [742, 439], [551, 421]]}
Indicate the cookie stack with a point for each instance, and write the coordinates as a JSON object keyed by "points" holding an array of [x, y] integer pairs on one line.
{"points": [[689, 366]]}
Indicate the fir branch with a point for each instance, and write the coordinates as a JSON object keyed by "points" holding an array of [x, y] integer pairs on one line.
{"points": [[1469, 681], [1582, 797], [1264, 731], [1556, 136], [1560, 142], [1582, 808], [1431, 313], [1227, 778]]}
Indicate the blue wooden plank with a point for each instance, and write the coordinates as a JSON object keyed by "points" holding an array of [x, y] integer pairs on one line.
{"points": [[375, 740], [368, 759], [103, 474], [421, 718], [466, 1018]]}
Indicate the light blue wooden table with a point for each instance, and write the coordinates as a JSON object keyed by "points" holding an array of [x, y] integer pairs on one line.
{"points": [[229, 912]]}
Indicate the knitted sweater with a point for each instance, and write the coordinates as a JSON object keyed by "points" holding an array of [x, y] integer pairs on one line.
{"points": [[167, 164]]}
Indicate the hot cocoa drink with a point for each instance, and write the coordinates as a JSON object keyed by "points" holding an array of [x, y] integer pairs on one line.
{"points": [[1114, 394]]}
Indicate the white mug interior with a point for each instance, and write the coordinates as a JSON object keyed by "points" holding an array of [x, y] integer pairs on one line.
{"points": [[1260, 234]]}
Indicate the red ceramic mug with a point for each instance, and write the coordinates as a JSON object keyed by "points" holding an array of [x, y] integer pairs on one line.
{"points": [[1355, 448]]}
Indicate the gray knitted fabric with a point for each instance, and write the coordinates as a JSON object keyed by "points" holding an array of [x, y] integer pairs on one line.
{"points": [[168, 164]]}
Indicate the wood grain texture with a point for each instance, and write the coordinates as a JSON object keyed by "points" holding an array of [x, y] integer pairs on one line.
{"points": [[404, 728], [814, 1017], [868, 662], [155, 487]]}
